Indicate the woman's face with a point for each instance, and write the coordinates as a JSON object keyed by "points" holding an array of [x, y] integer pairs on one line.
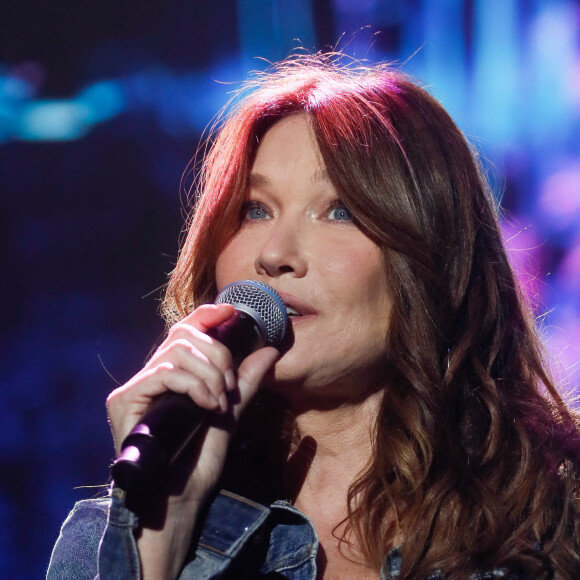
{"points": [[297, 236]]}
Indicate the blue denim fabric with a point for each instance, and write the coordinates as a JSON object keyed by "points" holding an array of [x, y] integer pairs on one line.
{"points": [[76, 551], [96, 542], [233, 524], [118, 556]]}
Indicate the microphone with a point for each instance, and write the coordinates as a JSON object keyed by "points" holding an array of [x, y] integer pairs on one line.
{"points": [[173, 419]]}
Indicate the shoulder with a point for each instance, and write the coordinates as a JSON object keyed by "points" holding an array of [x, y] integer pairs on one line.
{"points": [[393, 563], [87, 518], [75, 553]]}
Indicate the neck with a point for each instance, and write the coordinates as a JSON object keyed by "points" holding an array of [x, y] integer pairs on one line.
{"points": [[333, 445]]}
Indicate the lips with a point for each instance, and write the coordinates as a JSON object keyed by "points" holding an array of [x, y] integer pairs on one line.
{"points": [[295, 307]]}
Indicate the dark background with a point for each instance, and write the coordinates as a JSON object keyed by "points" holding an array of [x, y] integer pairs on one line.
{"points": [[102, 104]]}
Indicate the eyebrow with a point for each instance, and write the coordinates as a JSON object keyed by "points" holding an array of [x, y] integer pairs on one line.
{"points": [[260, 180], [320, 175]]}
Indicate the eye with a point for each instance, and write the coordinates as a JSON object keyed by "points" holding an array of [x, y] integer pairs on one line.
{"points": [[254, 210], [339, 213]]}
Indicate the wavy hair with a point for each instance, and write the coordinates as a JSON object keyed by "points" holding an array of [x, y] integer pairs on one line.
{"points": [[475, 454]]}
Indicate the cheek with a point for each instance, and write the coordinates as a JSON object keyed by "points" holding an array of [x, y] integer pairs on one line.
{"points": [[365, 288], [359, 272], [221, 270], [229, 263]]}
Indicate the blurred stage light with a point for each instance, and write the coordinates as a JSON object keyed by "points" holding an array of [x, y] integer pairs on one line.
{"points": [[53, 121]]}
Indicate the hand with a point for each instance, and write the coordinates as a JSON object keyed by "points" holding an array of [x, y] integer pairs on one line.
{"points": [[190, 362]]}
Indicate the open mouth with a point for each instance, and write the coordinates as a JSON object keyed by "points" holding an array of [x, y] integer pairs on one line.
{"points": [[296, 308], [292, 312]]}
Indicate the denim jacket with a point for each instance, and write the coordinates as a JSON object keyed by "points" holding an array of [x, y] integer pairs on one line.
{"points": [[240, 539]]}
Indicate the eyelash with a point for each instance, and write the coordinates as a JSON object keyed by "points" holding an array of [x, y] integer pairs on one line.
{"points": [[338, 205], [253, 205], [259, 206]]}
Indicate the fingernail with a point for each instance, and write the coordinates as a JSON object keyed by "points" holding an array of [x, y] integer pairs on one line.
{"points": [[230, 379], [223, 401]]}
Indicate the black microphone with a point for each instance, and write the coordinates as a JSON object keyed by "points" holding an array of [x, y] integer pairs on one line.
{"points": [[173, 419]]}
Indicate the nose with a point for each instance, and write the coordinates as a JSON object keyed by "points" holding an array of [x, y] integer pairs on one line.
{"points": [[282, 252]]}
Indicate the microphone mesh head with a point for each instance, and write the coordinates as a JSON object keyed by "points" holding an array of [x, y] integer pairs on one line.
{"points": [[263, 300]]}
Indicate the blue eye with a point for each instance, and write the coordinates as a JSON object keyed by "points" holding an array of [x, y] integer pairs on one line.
{"points": [[340, 213], [254, 211]]}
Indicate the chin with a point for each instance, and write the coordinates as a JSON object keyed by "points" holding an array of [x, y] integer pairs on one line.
{"points": [[281, 377]]}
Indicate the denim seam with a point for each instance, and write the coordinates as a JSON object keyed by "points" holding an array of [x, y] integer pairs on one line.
{"points": [[259, 516], [212, 549]]}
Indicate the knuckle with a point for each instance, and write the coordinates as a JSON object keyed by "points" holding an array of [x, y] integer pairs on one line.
{"points": [[110, 399], [117, 394], [180, 329], [162, 369], [182, 345], [182, 348]]}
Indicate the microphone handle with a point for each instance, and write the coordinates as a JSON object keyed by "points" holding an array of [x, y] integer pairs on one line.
{"points": [[173, 419]]}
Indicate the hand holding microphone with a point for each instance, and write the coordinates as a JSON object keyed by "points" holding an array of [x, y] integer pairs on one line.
{"points": [[188, 376]]}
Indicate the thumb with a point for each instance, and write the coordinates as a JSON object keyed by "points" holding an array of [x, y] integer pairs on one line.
{"points": [[252, 371]]}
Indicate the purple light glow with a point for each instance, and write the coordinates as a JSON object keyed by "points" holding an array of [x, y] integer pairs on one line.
{"points": [[559, 199], [562, 340], [526, 255], [569, 271]]}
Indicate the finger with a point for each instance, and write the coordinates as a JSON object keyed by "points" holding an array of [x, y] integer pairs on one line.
{"points": [[205, 386], [192, 329], [201, 320], [209, 315], [127, 404], [195, 324], [191, 350]]}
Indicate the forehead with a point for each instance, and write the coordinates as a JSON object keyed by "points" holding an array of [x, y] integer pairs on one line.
{"points": [[290, 134], [259, 180], [288, 146]]}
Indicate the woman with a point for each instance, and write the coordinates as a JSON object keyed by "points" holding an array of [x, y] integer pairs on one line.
{"points": [[410, 430]]}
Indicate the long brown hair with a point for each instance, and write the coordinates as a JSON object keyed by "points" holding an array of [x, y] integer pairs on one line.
{"points": [[476, 456]]}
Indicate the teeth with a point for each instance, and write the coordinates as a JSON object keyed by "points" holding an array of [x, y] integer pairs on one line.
{"points": [[291, 311]]}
